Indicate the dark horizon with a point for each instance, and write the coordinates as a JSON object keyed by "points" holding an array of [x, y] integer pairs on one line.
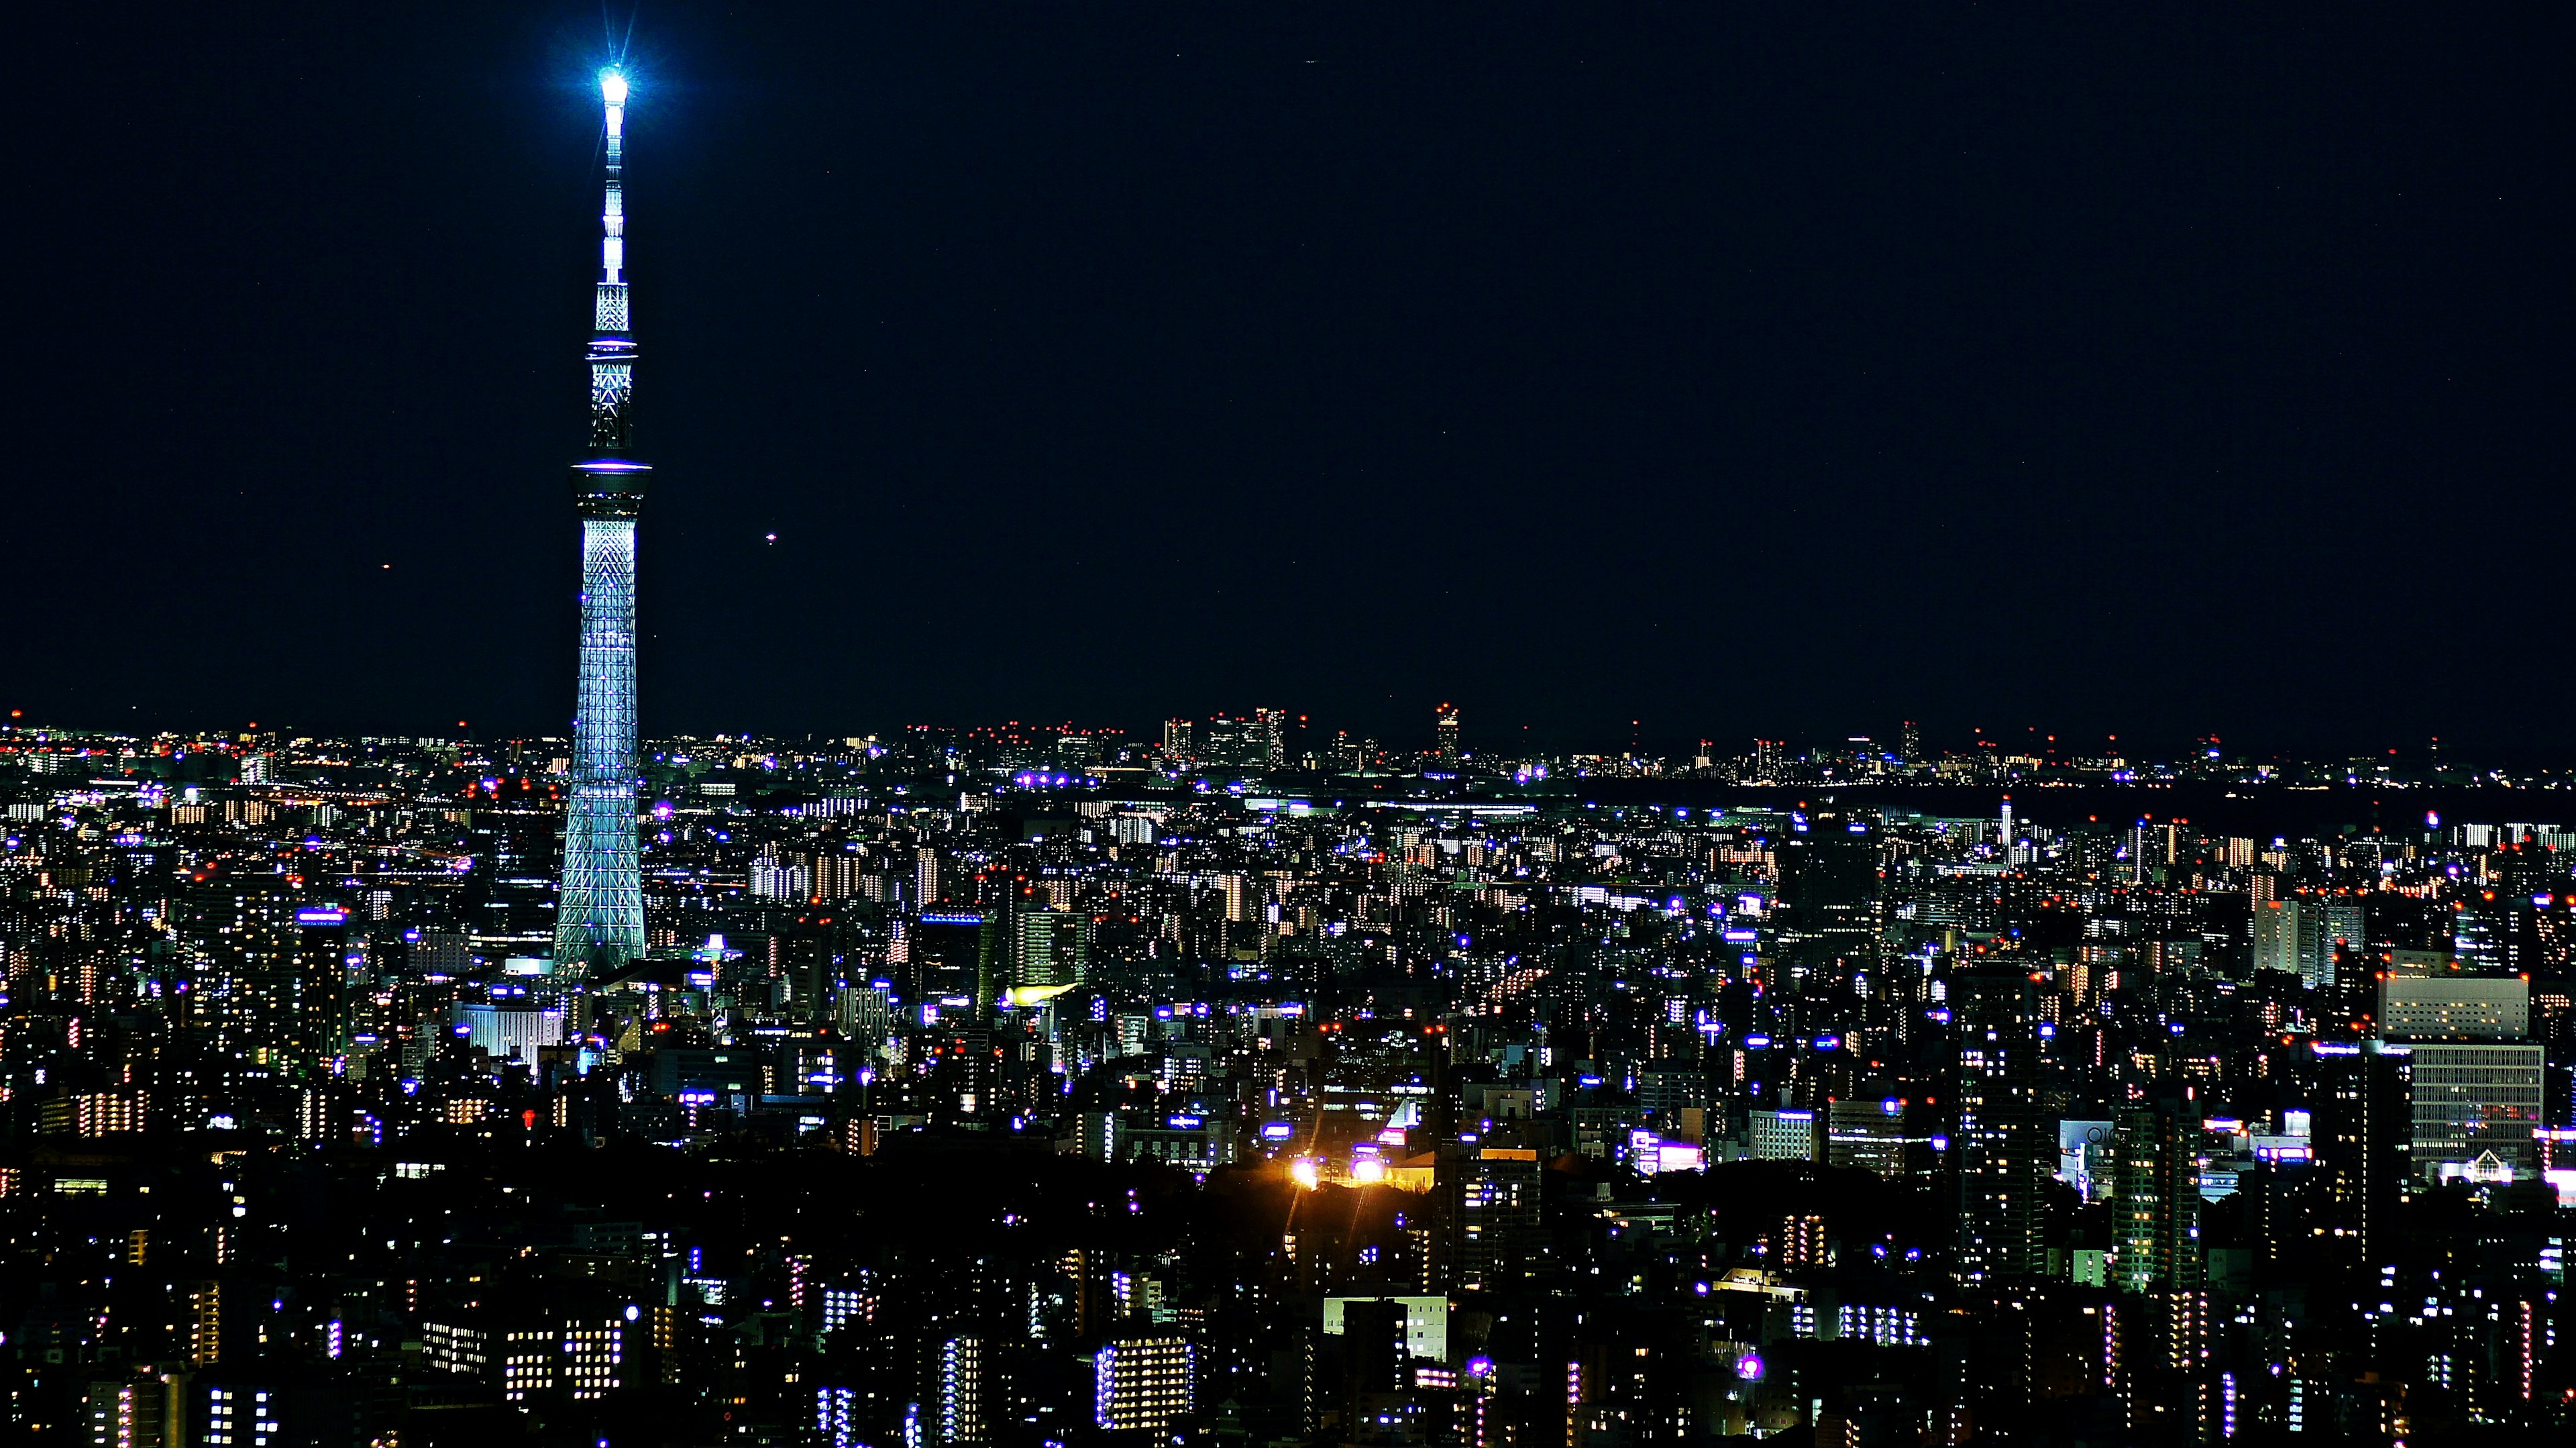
{"points": [[1752, 373]]}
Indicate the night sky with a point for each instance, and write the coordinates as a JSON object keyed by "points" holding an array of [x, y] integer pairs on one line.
{"points": [[1739, 369]]}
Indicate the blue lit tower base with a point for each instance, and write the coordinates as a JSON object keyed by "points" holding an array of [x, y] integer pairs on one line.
{"points": [[599, 914]]}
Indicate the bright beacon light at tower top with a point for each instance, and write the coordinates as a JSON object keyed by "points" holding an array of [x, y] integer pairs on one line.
{"points": [[612, 87]]}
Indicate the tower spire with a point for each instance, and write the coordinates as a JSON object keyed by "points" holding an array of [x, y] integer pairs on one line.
{"points": [[599, 913], [612, 349]]}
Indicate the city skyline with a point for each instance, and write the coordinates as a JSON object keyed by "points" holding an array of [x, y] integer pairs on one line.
{"points": [[1679, 1106], [1839, 729]]}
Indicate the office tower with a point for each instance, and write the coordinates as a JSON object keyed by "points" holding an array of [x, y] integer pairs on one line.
{"points": [[2303, 937], [240, 953], [1828, 905], [1180, 741], [2285, 940], [2008, 844], [1244, 742], [1499, 1228], [317, 1026], [1048, 948], [1788, 1134], [1770, 761], [1448, 726], [313, 1027], [1079, 752], [2277, 946], [2482, 936], [1886, 1137], [2156, 1202], [2002, 1153], [2340, 932], [1143, 1382], [1373, 1343], [599, 914], [990, 935], [2470, 1100], [1347, 756], [1274, 736], [2363, 1134], [2488, 1008]]}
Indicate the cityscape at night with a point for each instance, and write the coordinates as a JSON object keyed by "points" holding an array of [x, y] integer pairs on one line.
{"points": [[1546, 922], [1253, 1082]]}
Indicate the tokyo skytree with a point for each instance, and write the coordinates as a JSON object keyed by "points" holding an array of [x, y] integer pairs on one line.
{"points": [[599, 914]]}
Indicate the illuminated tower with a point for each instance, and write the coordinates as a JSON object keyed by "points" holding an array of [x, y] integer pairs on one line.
{"points": [[599, 916]]}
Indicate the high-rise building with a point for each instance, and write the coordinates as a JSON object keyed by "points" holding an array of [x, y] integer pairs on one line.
{"points": [[1887, 1136], [2435, 1008], [2304, 937], [1448, 724], [1770, 761], [1274, 736], [1828, 905], [599, 914], [316, 1027], [1048, 947], [1240, 741], [1498, 1221], [2482, 936], [781, 877], [2156, 1202], [2002, 1153], [1787, 1134], [1143, 1382], [2472, 1099], [965, 1390], [2363, 1132]]}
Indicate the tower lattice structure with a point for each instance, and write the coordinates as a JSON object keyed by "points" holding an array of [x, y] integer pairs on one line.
{"points": [[599, 915]]}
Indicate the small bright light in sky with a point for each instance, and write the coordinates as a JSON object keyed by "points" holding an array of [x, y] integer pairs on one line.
{"points": [[612, 87]]}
